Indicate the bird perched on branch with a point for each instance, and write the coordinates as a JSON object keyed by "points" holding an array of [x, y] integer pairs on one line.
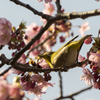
{"points": [[67, 55]]}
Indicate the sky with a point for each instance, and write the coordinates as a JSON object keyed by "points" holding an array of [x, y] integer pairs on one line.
{"points": [[71, 81]]}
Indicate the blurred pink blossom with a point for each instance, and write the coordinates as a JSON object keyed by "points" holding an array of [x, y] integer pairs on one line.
{"points": [[5, 29], [22, 59], [95, 57], [37, 78], [84, 28], [4, 38], [31, 31], [81, 58], [4, 89], [96, 85], [37, 91], [87, 77], [5, 26], [49, 9], [15, 93], [44, 64]]}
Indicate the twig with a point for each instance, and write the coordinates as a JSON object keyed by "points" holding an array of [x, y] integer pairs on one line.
{"points": [[75, 15], [60, 83], [31, 9], [74, 94], [1, 74], [58, 6], [3, 60], [40, 44]]}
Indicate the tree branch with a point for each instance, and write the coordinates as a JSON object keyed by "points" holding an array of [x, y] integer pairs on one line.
{"points": [[28, 68], [1, 74], [75, 15], [58, 6], [60, 83], [74, 94]]}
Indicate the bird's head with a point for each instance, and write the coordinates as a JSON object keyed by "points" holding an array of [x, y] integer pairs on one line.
{"points": [[46, 56]]}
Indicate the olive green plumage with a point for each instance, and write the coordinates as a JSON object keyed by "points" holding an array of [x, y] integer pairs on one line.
{"points": [[67, 55]]}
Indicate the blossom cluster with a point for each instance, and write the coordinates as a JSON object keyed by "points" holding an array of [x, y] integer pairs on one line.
{"points": [[5, 29], [92, 76], [10, 91]]}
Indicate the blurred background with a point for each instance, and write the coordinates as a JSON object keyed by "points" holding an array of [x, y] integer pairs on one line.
{"points": [[71, 79]]}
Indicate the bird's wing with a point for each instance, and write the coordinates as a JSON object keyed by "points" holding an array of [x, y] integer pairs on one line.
{"points": [[67, 43]]}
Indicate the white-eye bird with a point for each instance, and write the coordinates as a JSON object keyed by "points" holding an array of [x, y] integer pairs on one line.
{"points": [[67, 55]]}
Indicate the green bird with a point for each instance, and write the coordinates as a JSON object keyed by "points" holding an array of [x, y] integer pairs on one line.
{"points": [[67, 55]]}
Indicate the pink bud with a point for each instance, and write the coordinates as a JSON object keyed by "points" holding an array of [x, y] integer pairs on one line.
{"points": [[62, 39], [88, 40]]}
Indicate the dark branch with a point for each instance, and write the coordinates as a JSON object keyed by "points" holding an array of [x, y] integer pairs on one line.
{"points": [[60, 83], [1, 74], [58, 6], [27, 68], [75, 15], [74, 94]]}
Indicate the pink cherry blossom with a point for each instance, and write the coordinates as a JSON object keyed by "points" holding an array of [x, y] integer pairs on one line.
{"points": [[88, 40], [5, 29], [4, 89], [26, 85], [15, 93], [31, 31], [4, 38], [22, 59], [45, 85], [49, 9], [5, 25], [87, 77], [81, 58], [37, 78], [96, 85], [84, 28], [95, 57], [44, 64], [37, 91], [46, 45]]}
